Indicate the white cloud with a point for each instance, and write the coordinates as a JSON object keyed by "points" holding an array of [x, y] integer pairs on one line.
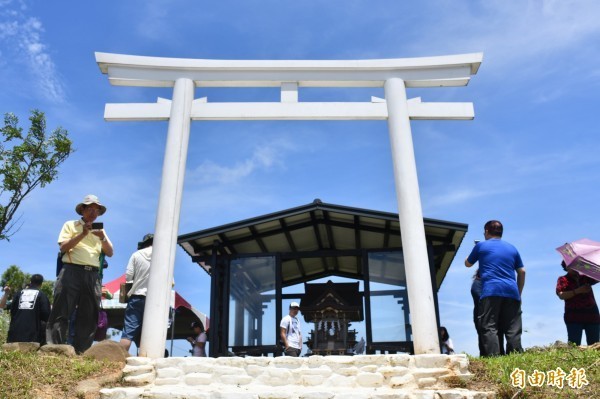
{"points": [[22, 35], [262, 159], [459, 196], [7, 29], [522, 35]]}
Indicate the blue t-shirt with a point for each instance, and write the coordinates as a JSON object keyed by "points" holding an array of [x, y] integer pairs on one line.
{"points": [[498, 261]]}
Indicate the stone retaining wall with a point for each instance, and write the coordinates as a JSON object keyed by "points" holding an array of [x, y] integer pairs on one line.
{"points": [[315, 377]]}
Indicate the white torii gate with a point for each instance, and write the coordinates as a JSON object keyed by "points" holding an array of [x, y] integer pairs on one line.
{"points": [[394, 75]]}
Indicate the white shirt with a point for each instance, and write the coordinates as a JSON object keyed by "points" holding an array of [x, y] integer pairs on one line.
{"points": [[198, 351], [138, 270], [293, 333], [448, 347]]}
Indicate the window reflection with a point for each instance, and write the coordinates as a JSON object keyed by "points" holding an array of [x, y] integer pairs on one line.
{"points": [[252, 301], [390, 320]]}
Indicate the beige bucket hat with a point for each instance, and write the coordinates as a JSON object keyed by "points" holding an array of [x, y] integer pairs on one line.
{"points": [[88, 200]]}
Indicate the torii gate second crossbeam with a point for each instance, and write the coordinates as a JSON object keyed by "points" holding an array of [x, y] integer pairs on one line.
{"points": [[394, 75]]}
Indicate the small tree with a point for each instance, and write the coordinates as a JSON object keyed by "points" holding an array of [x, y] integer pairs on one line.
{"points": [[26, 162], [15, 278], [48, 289]]}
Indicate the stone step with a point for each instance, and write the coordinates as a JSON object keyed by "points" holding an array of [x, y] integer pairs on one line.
{"points": [[314, 377], [180, 392]]}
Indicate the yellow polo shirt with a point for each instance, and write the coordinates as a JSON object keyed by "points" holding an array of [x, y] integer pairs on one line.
{"points": [[87, 251]]}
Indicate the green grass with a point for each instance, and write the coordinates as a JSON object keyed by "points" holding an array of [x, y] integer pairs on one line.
{"points": [[4, 324], [495, 373], [26, 375]]}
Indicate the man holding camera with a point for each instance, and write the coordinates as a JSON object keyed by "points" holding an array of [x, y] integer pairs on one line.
{"points": [[78, 285]]}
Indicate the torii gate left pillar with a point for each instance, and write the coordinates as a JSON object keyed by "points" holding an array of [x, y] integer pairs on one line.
{"points": [[394, 75], [167, 221]]}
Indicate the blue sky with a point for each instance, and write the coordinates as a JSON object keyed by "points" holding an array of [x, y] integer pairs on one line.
{"points": [[529, 159]]}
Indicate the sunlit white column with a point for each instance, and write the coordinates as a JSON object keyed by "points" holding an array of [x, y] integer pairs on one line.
{"points": [[414, 246], [158, 298]]}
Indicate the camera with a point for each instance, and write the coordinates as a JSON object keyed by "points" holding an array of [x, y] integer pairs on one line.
{"points": [[97, 226]]}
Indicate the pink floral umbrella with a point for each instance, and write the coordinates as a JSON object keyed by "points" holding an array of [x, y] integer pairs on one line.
{"points": [[583, 256]]}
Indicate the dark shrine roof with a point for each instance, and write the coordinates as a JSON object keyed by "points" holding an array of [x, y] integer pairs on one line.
{"points": [[343, 297], [319, 240]]}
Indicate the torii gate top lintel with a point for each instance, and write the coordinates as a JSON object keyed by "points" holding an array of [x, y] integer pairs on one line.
{"points": [[440, 71]]}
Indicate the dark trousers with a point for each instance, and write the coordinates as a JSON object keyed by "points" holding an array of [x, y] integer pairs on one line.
{"points": [[575, 332], [480, 339], [294, 352], [499, 314], [75, 288]]}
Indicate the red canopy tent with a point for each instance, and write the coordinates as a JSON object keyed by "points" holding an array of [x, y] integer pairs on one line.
{"points": [[185, 313]]}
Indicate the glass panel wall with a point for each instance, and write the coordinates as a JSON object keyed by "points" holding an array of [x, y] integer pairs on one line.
{"points": [[390, 317], [252, 301]]}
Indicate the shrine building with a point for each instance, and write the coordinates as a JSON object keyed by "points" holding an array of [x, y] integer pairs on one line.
{"points": [[259, 265]]}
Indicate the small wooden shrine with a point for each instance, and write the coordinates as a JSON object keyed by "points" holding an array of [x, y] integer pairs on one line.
{"points": [[332, 307]]}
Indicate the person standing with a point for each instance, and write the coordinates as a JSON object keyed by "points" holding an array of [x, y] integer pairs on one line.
{"points": [[476, 294], [138, 270], [5, 295], [199, 339], [290, 332], [500, 301], [581, 310], [29, 311], [78, 284], [446, 342]]}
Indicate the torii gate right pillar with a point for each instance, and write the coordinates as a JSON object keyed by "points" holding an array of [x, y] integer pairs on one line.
{"points": [[414, 246]]}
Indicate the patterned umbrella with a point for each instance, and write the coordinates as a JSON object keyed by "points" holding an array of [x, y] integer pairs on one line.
{"points": [[583, 256]]}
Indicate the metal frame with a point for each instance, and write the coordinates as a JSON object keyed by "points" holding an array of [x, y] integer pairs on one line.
{"points": [[220, 307]]}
